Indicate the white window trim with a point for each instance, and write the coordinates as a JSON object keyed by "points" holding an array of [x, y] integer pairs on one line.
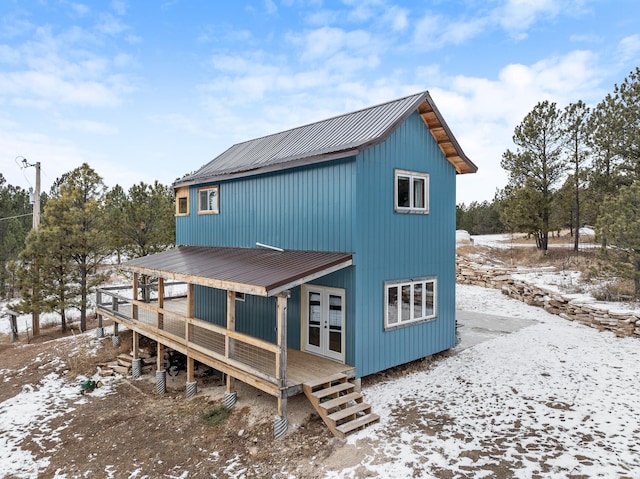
{"points": [[412, 320], [411, 175], [212, 211], [240, 296]]}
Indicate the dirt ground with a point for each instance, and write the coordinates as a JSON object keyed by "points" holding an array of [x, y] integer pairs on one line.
{"points": [[134, 432]]}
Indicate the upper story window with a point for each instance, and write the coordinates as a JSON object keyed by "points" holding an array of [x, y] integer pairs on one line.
{"points": [[409, 301], [182, 201], [208, 200], [411, 192]]}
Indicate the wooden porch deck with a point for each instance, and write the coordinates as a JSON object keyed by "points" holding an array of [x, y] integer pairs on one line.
{"points": [[208, 347]]}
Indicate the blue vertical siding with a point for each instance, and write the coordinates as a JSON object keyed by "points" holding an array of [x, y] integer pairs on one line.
{"points": [[309, 208], [344, 205], [306, 208], [392, 246]]}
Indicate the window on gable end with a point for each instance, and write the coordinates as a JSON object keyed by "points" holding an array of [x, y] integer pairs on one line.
{"points": [[411, 192]]}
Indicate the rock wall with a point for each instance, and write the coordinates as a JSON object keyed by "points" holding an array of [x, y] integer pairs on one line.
{"points": [[622, 323]]}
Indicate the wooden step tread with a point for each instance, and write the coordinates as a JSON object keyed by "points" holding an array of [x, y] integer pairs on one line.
{"points": [[327, 380], [350, 411], [339, 401], [358, 423], [338, 388]]}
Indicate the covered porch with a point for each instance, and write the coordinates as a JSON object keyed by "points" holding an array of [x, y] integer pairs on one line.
{"points": [[171, 322]]}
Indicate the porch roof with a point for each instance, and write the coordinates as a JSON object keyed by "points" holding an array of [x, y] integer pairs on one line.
{"points": [[256, 271]]}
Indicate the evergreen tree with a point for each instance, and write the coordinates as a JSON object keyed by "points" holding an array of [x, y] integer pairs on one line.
{"points": [[535, 169], [619, 222], [80, 214], [575, 122], [15, 223], [115, 204], [148, 223]]}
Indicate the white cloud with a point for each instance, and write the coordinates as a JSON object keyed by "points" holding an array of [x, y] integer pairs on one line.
{"points": [[119, 7], [88, 126], [434, 31], [628, 49], [516, 16], [270, 7], [483, 113], [397, 18]]}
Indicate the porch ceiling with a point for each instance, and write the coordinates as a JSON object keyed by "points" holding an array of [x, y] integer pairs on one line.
{"points": [[257, 271]]}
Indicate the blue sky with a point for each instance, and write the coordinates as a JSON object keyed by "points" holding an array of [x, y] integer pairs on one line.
{"points": [[144, 90]]}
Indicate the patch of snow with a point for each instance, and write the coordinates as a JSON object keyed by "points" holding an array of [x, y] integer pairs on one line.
{"points": [[463, 236], [555, 394]]}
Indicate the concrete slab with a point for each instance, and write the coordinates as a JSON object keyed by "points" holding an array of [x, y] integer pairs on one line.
{"points": [[475, 328]]}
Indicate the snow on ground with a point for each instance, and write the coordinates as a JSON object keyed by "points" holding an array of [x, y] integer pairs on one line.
{"points": [[27, 417], [550, 400]]}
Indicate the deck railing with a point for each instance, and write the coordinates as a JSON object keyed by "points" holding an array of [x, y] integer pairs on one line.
{"points": [[248, 354]]}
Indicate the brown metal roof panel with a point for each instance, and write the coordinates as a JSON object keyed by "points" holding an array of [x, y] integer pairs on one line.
{"points": [[255, 268]]}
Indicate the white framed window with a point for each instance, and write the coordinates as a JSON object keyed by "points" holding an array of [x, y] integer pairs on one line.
{"points": [[240, 296], [411, 192], [208, 200], [409, 301]]}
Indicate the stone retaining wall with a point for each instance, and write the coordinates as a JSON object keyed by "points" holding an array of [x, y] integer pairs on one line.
{"points": [[623, 323]]}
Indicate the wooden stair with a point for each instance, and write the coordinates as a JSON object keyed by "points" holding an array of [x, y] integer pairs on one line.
{"points": [[339, 405]]}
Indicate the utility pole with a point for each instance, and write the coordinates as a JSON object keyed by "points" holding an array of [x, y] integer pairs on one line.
{"points": [[36, 199], [35, 296]]}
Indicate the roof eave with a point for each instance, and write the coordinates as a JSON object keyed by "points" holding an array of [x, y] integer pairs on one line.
{"points": [[444, 137], [282, 165]]}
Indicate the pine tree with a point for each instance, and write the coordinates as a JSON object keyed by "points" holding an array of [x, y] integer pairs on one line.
{"points": [[79, 212], [535, 169], [619, 222], [575, 124], [147, 223]]}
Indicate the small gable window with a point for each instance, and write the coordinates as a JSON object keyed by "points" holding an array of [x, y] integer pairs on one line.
{"points": [[409, 302], [411, 192], [208, 201], [182, 201]]}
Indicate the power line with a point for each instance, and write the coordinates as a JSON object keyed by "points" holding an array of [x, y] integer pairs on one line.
{"points": [[12, 217]]}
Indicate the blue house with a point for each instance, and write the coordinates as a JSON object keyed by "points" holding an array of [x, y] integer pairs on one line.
{"points": [[330, 246]]}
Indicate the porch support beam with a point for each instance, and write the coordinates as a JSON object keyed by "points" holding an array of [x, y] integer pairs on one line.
{"points": [[281, 422], [231, 326], [134, 307], [160, 317], [230, 396]]}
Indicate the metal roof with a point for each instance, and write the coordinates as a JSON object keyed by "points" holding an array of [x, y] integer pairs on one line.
{"points": [[257, 271], [337, 137]]}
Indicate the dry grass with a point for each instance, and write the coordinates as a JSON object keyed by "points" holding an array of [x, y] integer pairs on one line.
{"points": [[84, 360]]}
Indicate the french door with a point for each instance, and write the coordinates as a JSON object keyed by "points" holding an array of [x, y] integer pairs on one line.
{"points": [[324, 319]]}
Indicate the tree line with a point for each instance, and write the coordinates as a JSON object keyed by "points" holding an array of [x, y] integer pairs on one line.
{"points": [[571, 166], [84, 225]]}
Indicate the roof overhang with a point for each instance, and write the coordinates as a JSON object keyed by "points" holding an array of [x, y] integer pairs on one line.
{"points": [[256, 271], [444, 137]]}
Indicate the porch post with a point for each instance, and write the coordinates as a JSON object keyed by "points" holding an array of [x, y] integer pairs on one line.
{"points": [[136, 365], [192, 384], [161, 374], [230, 396], [115, 339], [280, 422], [99, 329], [134, 307], [160, 318]]}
